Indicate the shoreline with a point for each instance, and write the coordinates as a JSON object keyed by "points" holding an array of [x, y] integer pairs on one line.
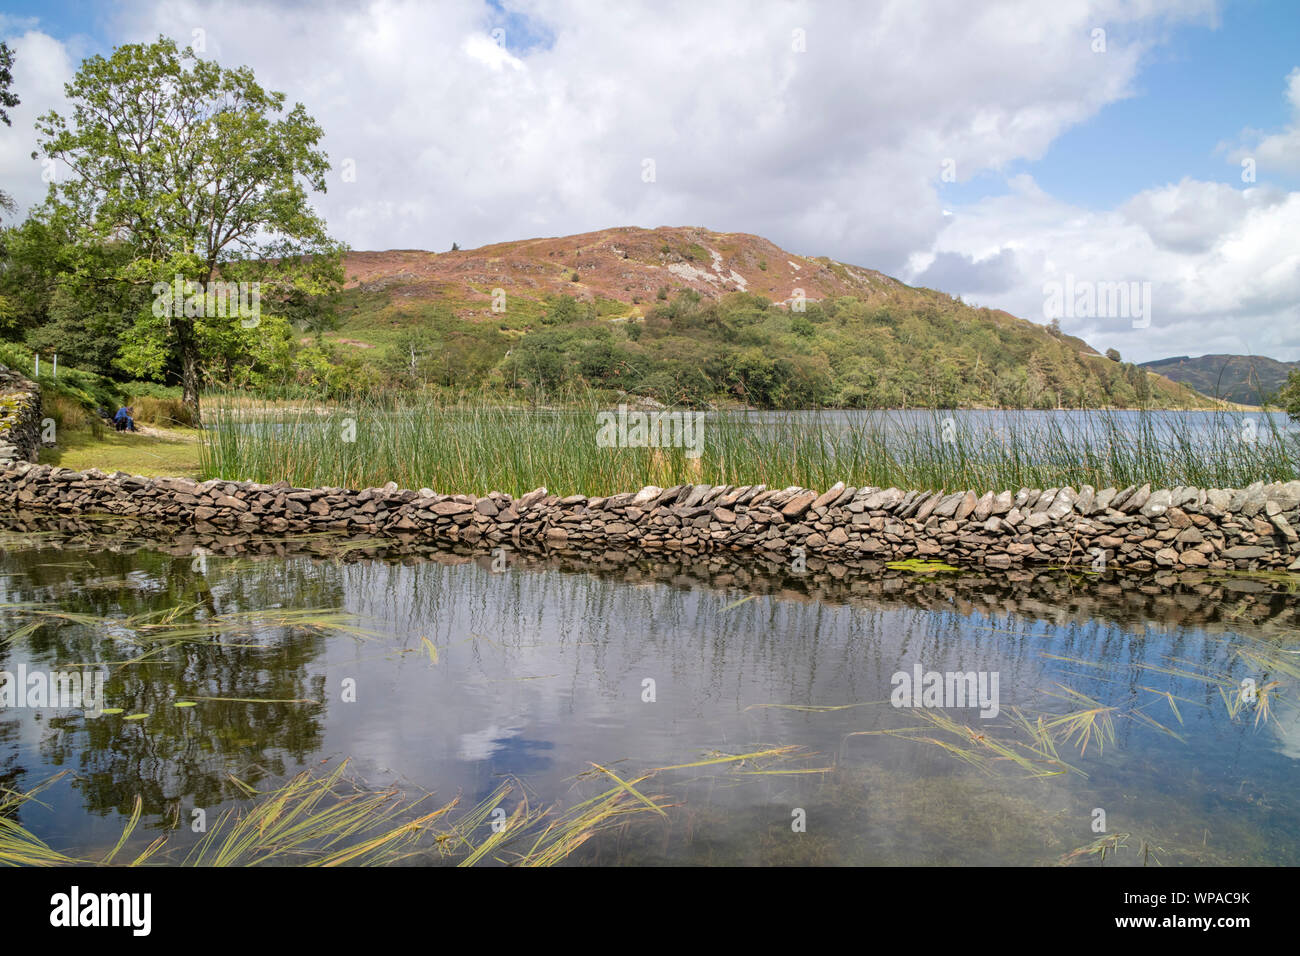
{"points": [[1134, 528]]}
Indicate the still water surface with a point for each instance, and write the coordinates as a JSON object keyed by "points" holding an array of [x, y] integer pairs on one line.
{"points": [[542, 669]]}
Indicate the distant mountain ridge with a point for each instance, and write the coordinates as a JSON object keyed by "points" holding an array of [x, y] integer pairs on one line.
{"points": [[1245, 379]]}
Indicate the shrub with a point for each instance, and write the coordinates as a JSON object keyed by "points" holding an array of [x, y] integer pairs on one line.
{"points": [[69, 414]]}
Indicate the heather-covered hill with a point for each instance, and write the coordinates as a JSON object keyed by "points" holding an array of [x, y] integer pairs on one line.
{"points": [[687, 314]]}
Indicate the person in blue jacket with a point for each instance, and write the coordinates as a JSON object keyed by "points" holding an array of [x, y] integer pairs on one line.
{"points": [[123, 421]]}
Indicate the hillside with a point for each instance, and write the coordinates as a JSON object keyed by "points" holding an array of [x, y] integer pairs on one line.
{"points": [[690, 315], [1248, 379], [625, 265]]}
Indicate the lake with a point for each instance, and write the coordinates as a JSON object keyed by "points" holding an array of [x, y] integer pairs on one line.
{"points": [[1115, 695]]}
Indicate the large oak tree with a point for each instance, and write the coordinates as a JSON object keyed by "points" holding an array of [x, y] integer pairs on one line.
{"points": [[207, 177]]}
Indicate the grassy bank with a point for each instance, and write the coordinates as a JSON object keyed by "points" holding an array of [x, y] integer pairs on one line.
{"points": [[170, 452], [452, 447]]}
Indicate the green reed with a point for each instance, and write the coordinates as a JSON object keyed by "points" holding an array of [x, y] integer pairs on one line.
{"points": [[456, 446]]}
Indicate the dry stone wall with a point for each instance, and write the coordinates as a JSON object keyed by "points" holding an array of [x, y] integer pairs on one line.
{"points": [[20, 418], [1139, 529]]}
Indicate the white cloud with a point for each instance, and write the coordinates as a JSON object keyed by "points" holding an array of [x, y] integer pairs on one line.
{"points": [[1226, 280], [490, 53], [42, 65], [1278, 152], [1192, 216], [835, 150]]}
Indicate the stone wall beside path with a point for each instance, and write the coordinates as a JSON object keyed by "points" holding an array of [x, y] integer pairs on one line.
{"points": [[1139, 529], [20, 418]]}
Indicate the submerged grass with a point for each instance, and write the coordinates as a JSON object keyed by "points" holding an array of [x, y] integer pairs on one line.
{"points": [[450, 446], [1254, 673], [329, 820], [1110, 845], [324, 820], [1031, 747], [1082, 727], [310, 821], [179, 624]]}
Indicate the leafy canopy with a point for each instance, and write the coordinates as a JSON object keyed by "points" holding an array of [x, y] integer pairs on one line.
{"points": [[204, 175]]}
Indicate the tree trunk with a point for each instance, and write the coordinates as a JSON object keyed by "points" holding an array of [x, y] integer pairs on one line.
{"points": [[189, 368]]}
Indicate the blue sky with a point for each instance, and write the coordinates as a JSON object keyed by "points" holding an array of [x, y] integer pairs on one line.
{"points": [[1200, 88]]}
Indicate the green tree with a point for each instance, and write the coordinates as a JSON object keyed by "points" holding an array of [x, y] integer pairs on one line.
{"points": [[32, 258], [563, 309], [1137, 378], [536, 363], [84, 314], [192, 165], [1289, 395], [88, 319], [8, 100], [411, 357]]}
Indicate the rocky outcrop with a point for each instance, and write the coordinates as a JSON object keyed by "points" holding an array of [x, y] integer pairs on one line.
{"points": [[20, 418], [1141, 529]]}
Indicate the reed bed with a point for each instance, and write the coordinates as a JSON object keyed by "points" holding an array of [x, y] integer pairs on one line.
{"points": [[455, 447]]}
